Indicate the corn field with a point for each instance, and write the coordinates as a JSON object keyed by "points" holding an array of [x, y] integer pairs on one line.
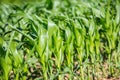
{"points": [[60, 40]]}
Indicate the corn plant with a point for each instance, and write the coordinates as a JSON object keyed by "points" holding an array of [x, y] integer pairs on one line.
{"points": [[59, 39]]}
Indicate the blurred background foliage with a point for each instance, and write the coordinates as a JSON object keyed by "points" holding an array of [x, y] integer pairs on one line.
{"points": [[18, 1]]}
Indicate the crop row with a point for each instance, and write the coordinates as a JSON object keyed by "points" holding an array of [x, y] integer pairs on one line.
{"points": [[60, 40]]}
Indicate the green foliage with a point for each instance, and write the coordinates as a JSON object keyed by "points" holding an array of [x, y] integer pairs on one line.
{"points": [[60, 39]]}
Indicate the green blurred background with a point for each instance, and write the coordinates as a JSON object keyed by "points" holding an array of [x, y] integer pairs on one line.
{"points": [[17, 1]]}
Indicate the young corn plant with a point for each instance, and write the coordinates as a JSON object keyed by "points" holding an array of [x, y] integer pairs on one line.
{"points": [[61, 40]]}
